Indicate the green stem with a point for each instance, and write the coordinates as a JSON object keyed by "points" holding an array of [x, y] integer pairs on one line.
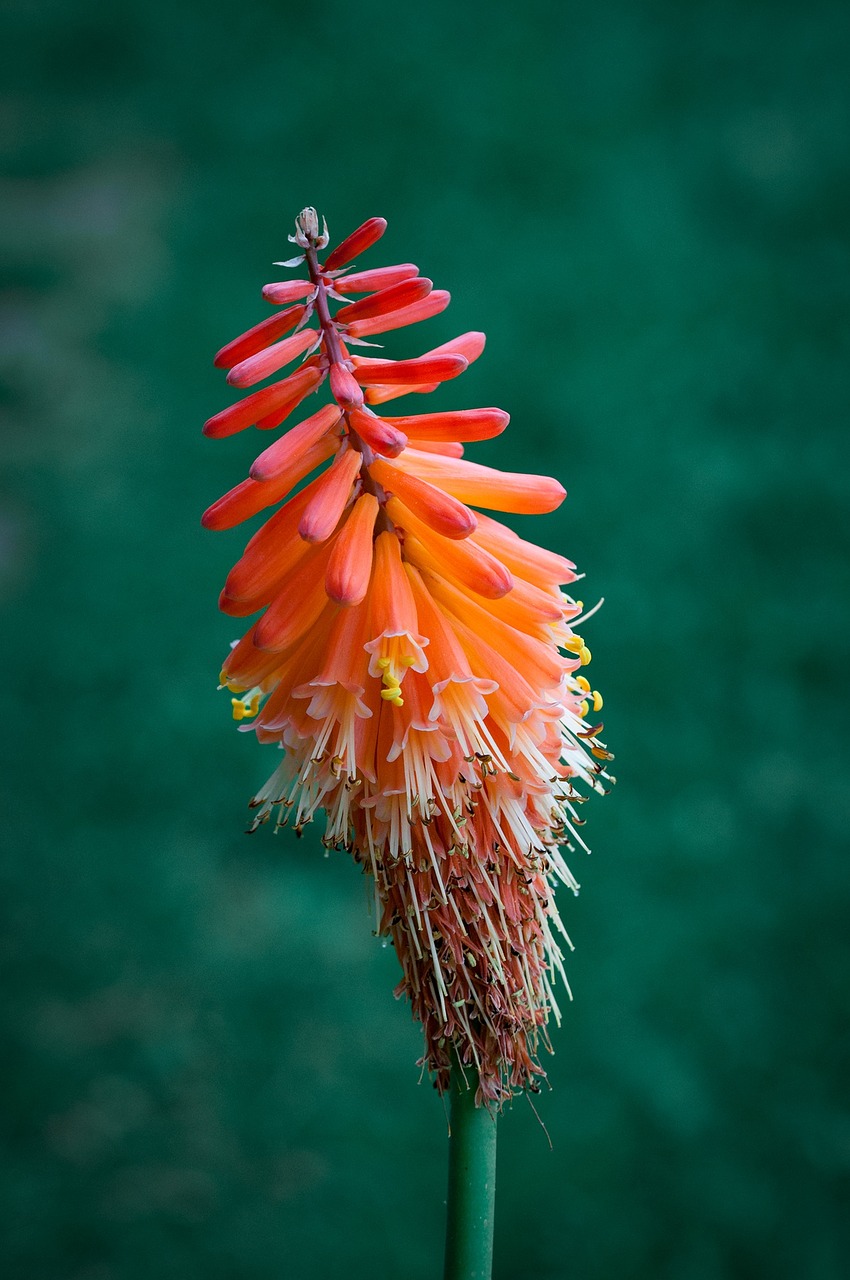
{"points": [[472, 1181]]}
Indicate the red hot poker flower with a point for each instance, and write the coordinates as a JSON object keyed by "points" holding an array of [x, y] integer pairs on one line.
{"points": [[416, 660]]}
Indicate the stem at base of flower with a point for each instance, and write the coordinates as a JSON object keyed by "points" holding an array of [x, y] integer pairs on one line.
{"points": [[472, 1181]]}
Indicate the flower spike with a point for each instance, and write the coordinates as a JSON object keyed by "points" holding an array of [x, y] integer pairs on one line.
{"points": [[414, 657]]}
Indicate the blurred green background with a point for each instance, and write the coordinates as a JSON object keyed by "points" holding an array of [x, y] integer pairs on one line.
{"points": [[645, 205]]}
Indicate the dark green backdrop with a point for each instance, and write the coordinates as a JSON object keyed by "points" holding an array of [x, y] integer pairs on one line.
{"points": [[645, 205]]}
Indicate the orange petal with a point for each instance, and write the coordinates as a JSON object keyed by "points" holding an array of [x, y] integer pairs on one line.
{"points": [[378, 435], [285, 451], [393, 606], [486, 487], [260, 336], [251, 496], [403, 294], [285, 395], [446, 659], [439, 510], [257, 367], [345, 661], [462, 424], [436, 302], [295, 666], [367, 234], [287, 291], [350, 565], [327, 504], [379, 278], [435, 369]]}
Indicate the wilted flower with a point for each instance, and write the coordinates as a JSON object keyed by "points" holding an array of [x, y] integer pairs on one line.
{"points": [[416, 660]]}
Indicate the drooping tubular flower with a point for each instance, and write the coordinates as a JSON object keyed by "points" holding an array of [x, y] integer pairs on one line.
{"points": [[415, 659]]}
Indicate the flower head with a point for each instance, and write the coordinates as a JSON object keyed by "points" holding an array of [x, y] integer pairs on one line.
{"points": [[416, 660]]}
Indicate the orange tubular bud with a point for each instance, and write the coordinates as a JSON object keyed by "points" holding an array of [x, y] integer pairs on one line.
{"points": [[257, 565], [410, 372], [326, 506], [445, 447], [527, 607], [403, 294], [350, 564], [251, 496], [437, 509], [436, 302], [461, 561], [378, 434], [246, 665], [377, 395], [469, 345], [257, 577], [280, 396], [257, 367], [537, 661], [285, 451], [287, 291], [295, 610], [345, 388], [486, 487], [379, 278], [524, 558], [462, 424], [367, 234], [260, 336]]}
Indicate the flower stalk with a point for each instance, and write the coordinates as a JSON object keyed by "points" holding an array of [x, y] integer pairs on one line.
{"points": [[471, 1200]]}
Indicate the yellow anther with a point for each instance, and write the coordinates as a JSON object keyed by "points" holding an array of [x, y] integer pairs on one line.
{"points": [[583, 683], [579, 604], [245, 707], [584, 654], [597, 700], [583, 708], [575, 644], [391, 691]]}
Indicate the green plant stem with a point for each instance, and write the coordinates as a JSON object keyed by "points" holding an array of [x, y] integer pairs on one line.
{"points": [[472, 1181]]}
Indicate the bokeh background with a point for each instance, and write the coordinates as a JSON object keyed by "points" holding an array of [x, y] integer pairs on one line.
{"points": [[645, 205]]}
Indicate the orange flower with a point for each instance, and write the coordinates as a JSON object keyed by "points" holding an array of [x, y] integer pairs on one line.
{"points": [[416, 660]]}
